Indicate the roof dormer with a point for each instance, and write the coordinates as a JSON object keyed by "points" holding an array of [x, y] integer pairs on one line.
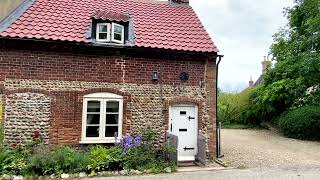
{"points": [[110, 27]]}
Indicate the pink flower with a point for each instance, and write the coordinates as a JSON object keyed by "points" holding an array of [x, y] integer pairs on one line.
{"points": [[13, 145], [36, 134]]}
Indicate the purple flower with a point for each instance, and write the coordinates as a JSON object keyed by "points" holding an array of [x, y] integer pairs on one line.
{"points": [[137, 141], [129, 142], [115, 138]]}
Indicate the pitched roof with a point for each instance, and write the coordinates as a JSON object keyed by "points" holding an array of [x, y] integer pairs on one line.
{"points": [[155, 24]]}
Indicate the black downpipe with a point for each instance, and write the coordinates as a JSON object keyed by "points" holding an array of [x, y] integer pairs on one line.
{"points": [[218, 138]]}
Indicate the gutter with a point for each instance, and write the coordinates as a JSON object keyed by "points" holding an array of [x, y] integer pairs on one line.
{"points": [[218, 137]]}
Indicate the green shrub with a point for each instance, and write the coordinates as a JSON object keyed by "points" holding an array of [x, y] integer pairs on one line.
{"points": [[13, 161], [301, 123], [36, 158], [62, 159], [102, 158], [232, 108]]}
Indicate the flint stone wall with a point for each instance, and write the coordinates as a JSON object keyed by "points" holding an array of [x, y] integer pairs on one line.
{"points": [[26, 113], [146, 105]]}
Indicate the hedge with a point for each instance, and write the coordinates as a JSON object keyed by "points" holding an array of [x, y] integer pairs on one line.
{"points": [[301, 123]]}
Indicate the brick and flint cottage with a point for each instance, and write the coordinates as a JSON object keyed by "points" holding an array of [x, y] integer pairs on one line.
{"points": [[83, 71]]}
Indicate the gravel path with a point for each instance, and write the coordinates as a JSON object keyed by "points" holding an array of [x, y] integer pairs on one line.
{"points": [[268, 149]]}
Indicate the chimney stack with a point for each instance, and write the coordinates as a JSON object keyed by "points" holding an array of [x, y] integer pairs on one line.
{"points": [[251, 83], [180, 1], [266, 64]]}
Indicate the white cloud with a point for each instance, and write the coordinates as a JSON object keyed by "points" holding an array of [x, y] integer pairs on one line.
{"points": [[243, 31]]}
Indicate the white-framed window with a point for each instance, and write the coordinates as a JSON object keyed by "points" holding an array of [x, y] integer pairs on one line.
{"points": [[117, 33], [107, 32], [102, 118], [103, 32]]}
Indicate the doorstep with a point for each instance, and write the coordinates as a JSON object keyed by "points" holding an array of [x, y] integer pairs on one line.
{"points": [[198, 168]]}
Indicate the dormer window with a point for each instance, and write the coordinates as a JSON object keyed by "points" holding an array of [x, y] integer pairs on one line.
{"points": [[110, 28], [117, 33], [110, 32], [103, 32]]}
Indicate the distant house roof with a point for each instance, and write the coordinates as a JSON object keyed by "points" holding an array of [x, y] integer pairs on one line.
{"points": [[155, 24], [259, 81]]}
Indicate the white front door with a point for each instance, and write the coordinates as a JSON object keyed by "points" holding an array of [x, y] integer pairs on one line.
{"points": [[183, 123]]}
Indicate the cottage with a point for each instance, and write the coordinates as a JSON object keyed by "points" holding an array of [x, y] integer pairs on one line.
{"points": [[85, 71]]}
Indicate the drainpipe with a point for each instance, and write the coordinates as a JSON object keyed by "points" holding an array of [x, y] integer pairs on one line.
{"points": [[218, 137]]}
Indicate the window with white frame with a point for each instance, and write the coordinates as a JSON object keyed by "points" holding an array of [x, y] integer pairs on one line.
{"points": [[117, 33], [110, 32], [103, 32], [102, 118]]}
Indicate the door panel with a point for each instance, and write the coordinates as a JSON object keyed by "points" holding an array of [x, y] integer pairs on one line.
{"points": [[183, 123]]}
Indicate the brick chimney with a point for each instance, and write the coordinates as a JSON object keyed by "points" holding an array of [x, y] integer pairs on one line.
{"points": [[180, 1], [266, 64], [251, 83]]}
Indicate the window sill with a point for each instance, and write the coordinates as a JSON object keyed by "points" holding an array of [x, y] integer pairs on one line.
{"points": [[110, 43], [98, 141]]}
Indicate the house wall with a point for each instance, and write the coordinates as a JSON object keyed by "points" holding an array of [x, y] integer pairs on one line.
{"points": [[44, 90]]}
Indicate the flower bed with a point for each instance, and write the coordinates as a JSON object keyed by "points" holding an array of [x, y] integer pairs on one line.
{"points": [[132, 155]]}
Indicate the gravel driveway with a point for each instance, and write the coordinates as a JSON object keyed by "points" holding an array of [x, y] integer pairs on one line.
{"points": [[268, 149]]}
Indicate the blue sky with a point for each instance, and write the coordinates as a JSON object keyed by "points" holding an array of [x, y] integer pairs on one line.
{"points": [[242, 29]]}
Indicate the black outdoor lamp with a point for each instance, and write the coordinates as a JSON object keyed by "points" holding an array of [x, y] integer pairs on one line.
{"points": [[155, 75]]}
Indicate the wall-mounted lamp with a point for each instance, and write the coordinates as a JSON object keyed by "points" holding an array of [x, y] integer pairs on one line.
{"points": [[155, 75]]}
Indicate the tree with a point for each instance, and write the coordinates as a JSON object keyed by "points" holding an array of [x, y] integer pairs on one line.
{"points": [[296, 50]]}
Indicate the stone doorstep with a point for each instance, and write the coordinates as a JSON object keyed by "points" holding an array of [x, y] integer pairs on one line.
{"points": [[197, 168]]}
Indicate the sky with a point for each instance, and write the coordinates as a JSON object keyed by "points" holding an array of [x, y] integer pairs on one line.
{"points": [[242, 30]]}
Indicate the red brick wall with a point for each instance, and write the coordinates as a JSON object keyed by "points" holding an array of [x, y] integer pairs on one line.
{"points": [[18, 64], [212, 101], [67, 105]]}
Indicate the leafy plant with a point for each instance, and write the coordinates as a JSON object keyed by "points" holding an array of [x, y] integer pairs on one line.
{"points": [[13, 161], [296, 51], [232, 108], [102, 158], [61, 159], [301, 123]]}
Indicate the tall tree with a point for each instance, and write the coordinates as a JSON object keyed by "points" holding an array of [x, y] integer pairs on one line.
{"points": [[296, 51]]}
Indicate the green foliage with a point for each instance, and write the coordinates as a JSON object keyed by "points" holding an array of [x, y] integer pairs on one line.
{"points": [[301, 123], [232, 108], [62, 159], [296, 50], [13, 161], [102, 158], [1, 138], [143, 155], [40, 159]]}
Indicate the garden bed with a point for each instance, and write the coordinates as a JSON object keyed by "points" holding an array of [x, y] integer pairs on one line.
{"points": [[133, 155]]}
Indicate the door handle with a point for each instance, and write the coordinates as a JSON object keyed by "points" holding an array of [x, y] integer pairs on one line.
{"points": [[191, 118], [185, 148], [171, 127]]}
